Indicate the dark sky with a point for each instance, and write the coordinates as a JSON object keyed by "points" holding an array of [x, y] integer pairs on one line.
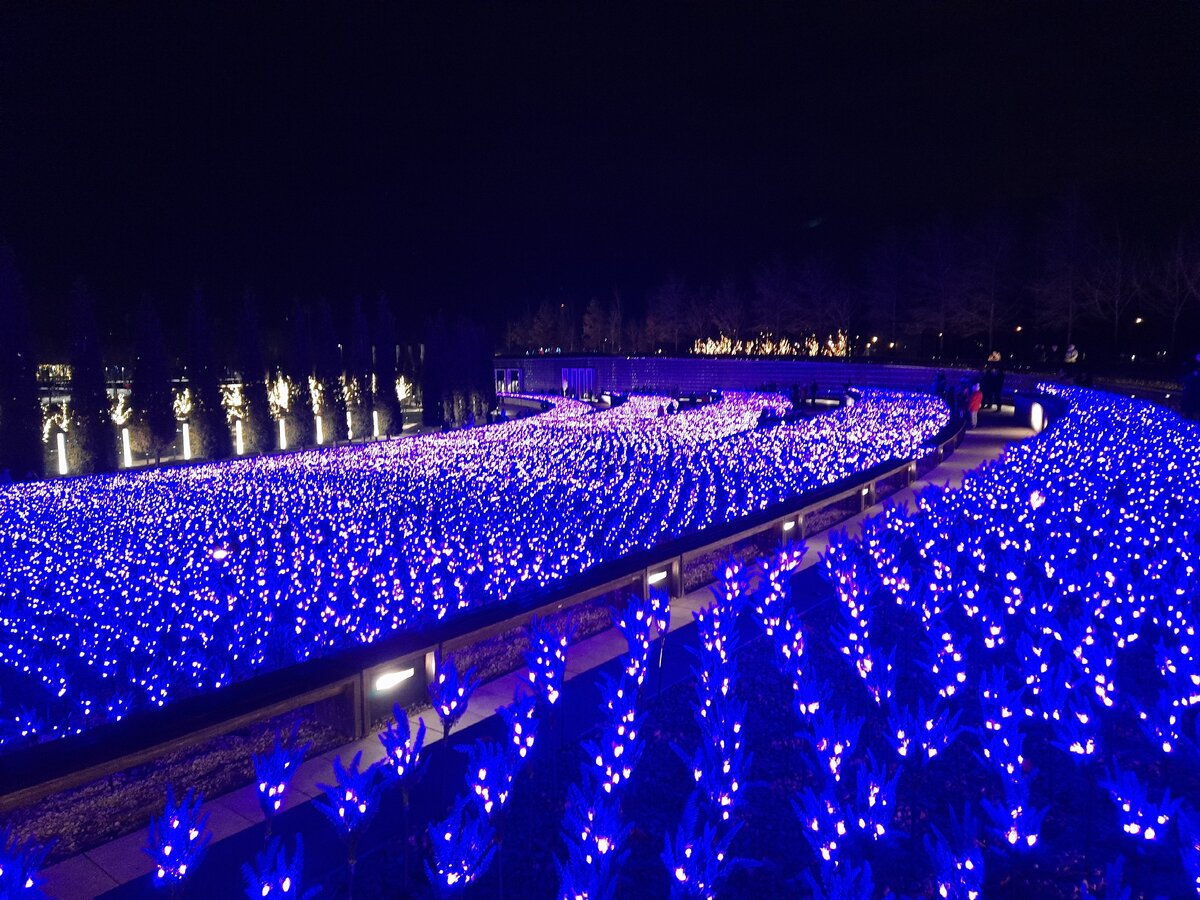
{"points": [[478, 156]]}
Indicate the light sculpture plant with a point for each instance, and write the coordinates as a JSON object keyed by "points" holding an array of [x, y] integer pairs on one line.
{"points": [[957, 859], [1140, 817], [635, 622], [547, 660], [276, 873], [462, 847], [274, 772], [351, 803], [19, 864], [450, 693], [489, 776], [178, 838], [521, 718], [697, 856], [401, 748]]}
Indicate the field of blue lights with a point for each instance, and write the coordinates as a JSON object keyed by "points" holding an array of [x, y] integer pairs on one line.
{"points": [[1026, 654], [997, 697], [129, 591]]}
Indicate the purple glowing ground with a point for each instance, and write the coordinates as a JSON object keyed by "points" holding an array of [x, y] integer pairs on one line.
{"points": [[125, 591]]}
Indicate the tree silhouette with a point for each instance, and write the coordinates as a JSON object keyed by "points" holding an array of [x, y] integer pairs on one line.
{"points": [[94, 442], [153, 396], [664, 315], [257, 431], [384, 366], [299, 369], [1113, 286], [21, 450], [1066, 243], [328, 354], [203, 378], [358, 373], [984, 302]]}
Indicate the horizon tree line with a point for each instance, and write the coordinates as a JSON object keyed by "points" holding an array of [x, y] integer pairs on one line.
{"points": [[326, 385], [997, 283]]}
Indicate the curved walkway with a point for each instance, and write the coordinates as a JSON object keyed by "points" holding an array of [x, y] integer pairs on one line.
{"points": [[122, 861]]}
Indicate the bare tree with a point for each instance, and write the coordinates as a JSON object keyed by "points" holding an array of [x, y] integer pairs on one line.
{"points": [[616, 322], [778, 306], [595, 325], [828, 303], [1113, 286], [985, 300], [727, 308], [665, 313], [937, 265], [885, 285], [1173, 283], [1067, 242]]}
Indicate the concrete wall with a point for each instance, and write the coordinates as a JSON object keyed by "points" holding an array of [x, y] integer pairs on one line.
{"points": [[544, 374]]}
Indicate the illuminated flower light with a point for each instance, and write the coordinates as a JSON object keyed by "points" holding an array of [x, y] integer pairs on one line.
{"points": [[274, 772], [595, 839], [351, 802], [521, 718], [546, 659], [732, 588], [771, 603], [635, 623], [810, 694], [1005, 750], [461, 846], [326, 550], [1139, 816], [720, 763], [823, 820], [616, 752], [178, 838], [402, 750], [949, 664], [19, 864], [489, 775], [660, 610], [875, 798], [450, 693], [924, 733], [1078, 732], [998, 702], [276, 874], [833, 739], [957, 860], [1161, 724], [697, 858], [1015, 822]]}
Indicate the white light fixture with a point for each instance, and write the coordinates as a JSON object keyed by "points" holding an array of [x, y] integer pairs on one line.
{"points": [[375, 422], [788, 526], [388, 680], [237, 437], [62, 454], [125, 449], [349, 427], [1037, 418], [282, 434], [320, 431], [187, 441], [657, 577]]}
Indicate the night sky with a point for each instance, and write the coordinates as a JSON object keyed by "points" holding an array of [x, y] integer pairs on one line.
{"points": [[479, 158]]}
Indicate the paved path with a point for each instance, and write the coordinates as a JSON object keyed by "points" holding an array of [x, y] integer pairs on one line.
{"points": [[122, 861]]}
